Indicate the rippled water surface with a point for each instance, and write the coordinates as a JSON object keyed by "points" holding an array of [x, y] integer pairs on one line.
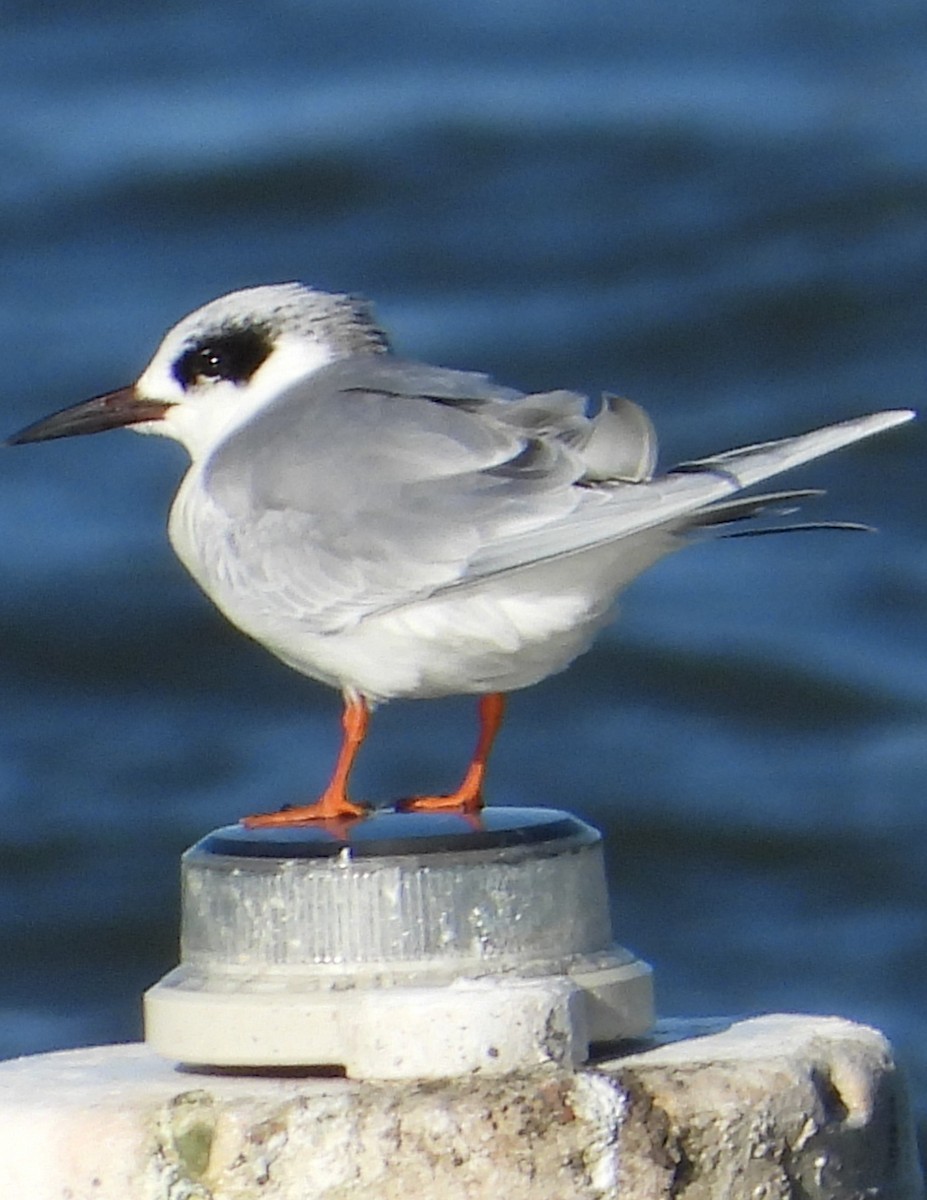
{"points": [[719, 210]]}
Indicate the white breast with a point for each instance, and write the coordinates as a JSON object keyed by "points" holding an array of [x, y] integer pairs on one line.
{"points": [[504, 634]]}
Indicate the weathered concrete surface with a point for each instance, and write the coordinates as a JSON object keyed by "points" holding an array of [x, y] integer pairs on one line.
{"points": [[804, 1108], [790, 1107]]}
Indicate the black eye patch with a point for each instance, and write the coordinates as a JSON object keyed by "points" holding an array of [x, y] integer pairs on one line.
{"points": [[234, 356]]}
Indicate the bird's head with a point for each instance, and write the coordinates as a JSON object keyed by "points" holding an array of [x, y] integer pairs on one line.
{"points": [[224, 362]]}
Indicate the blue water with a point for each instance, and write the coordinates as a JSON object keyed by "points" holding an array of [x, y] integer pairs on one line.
{"points": [[720, 210]]}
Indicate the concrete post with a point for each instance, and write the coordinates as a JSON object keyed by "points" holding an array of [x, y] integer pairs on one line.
{"points": [[774, 1108]]}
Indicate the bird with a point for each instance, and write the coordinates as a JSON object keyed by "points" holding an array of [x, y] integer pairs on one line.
{"points": [[400, 530]]}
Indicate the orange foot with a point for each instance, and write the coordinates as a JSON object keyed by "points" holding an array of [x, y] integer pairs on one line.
{"points": [[333, 804], [324, 809], [469, 796], [465, 801]]}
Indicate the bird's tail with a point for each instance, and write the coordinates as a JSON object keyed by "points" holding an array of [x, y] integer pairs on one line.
{"points": [[752, 464]]}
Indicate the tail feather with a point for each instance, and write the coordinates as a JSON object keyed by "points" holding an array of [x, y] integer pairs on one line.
{"points": [[802, 527], [778, 504]]}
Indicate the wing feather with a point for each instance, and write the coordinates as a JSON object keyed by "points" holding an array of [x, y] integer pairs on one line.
{"points": [[378, 482]]}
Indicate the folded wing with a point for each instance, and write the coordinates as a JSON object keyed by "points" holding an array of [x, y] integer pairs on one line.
{"points": [[378, 482]]}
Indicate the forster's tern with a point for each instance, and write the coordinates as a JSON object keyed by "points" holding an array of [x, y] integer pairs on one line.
{"points": [[400, 530]]}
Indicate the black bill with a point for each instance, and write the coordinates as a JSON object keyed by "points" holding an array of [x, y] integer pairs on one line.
{"points": [[112, 411]]}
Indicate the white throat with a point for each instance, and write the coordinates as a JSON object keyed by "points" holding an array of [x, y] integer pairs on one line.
{"points": [[203, 418]]}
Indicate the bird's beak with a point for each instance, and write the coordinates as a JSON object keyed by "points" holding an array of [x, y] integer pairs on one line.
{"points": [[115, 409]]}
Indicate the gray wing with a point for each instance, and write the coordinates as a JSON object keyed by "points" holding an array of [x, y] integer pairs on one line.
{"points": [[377, 481]]}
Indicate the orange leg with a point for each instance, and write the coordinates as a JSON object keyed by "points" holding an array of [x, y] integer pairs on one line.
{"points": [[333, 804], [469, 796]]}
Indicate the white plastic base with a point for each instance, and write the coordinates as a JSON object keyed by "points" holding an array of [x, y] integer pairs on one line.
{"points": [[492, 1025], [404, 945]]}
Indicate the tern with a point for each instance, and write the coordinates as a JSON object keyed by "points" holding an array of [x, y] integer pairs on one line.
{"points": [[395, 529]]}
